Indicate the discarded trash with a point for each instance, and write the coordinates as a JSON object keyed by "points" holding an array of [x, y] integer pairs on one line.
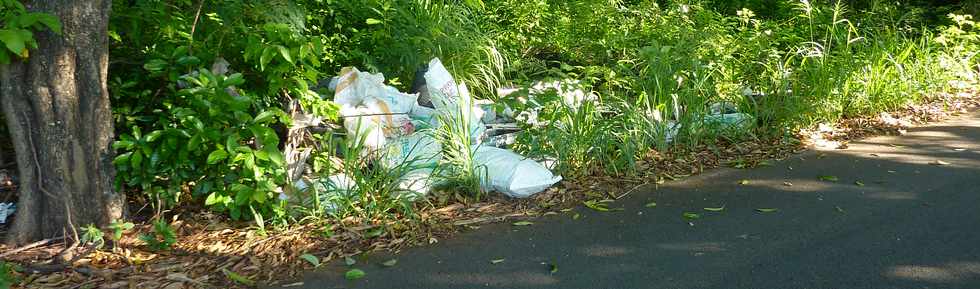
{"points": [[511, 174], [571, 92], [419, 155], [728, 121], [372, 110], [331, 191], [396, 128], [6, 209]]}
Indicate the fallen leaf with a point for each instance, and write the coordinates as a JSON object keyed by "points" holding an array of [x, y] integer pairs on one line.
{"points": [[389, 263], [554, 268], [839, 209], [766, 210], [238, 278], [596, 205], [691, 216], [576, 216], [959, 149], [349, 261], [718, 209], [788, 184], [497, 261], [743, 182], [829, 178], [354, 274], [651, 204], [522, 223], [859, 183], [313, 260], [939, 163]]}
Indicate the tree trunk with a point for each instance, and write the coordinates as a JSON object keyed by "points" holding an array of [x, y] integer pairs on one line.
{"points": [[57, 109]]}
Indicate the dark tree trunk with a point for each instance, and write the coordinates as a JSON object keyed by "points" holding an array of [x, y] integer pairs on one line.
{"points": [[57, 109]]}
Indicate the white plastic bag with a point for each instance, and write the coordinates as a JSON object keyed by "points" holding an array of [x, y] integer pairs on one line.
{"points": [[353, 86], [511, 174], [331, 191], [362, 127], [419, 154]]}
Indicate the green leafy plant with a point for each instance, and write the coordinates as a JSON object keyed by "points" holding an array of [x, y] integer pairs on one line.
{"points": [[162, 237], [16, 25], [118, 228], [7, 277], [93, 235]]}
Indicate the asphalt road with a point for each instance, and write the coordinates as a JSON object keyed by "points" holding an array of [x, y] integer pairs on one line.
{"points": [[911, 225]]}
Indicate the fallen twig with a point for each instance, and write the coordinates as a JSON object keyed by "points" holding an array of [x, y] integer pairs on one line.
{"points": [[30, 246]]}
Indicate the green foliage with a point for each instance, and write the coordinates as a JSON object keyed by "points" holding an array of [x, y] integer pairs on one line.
{"points": [[7, 277], [162, 237], [16, 25], [93, 235], [118, 228]]}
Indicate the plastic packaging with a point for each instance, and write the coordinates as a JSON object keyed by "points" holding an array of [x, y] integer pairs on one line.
{"points": [[511, 174]]}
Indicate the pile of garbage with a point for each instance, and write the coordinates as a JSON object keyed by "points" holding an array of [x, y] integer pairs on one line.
{"points": [[396, 130]]}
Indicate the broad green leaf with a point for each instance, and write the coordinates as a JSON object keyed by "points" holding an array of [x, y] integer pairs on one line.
{"points": [[264, 116], [15, 39], [522, 223], [354, 274], [155, 65], [234, 80], [767, 210], [50, 21], [651, 204], [313, 260], [285, 53], [137, 159], [691, 215], [153, 136], [217, 156], [554, 268], [188, 61], [122, 158], [372, 21]]}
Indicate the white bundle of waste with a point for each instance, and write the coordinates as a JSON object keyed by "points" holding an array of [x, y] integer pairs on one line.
{"points": [[330, 191], [512, 174], [372, 111], [386, 122], [451, 100], [6, 209]]}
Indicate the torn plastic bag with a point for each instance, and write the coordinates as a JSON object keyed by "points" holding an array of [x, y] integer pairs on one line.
{"points": [[6, 210], [511, 174], [460, 107], [437, 80], [729, 121], [419, 155], [353, 86], [363, 127], [331, 191]]}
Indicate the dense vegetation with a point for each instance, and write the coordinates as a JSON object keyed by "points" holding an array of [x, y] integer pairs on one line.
{"points": [[185, 138]]}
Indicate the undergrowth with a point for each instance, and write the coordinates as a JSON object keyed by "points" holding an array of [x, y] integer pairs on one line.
{"points": [[649, 72]]}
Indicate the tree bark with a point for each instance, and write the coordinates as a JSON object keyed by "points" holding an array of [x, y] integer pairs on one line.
{"points": [[57, 109]]}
